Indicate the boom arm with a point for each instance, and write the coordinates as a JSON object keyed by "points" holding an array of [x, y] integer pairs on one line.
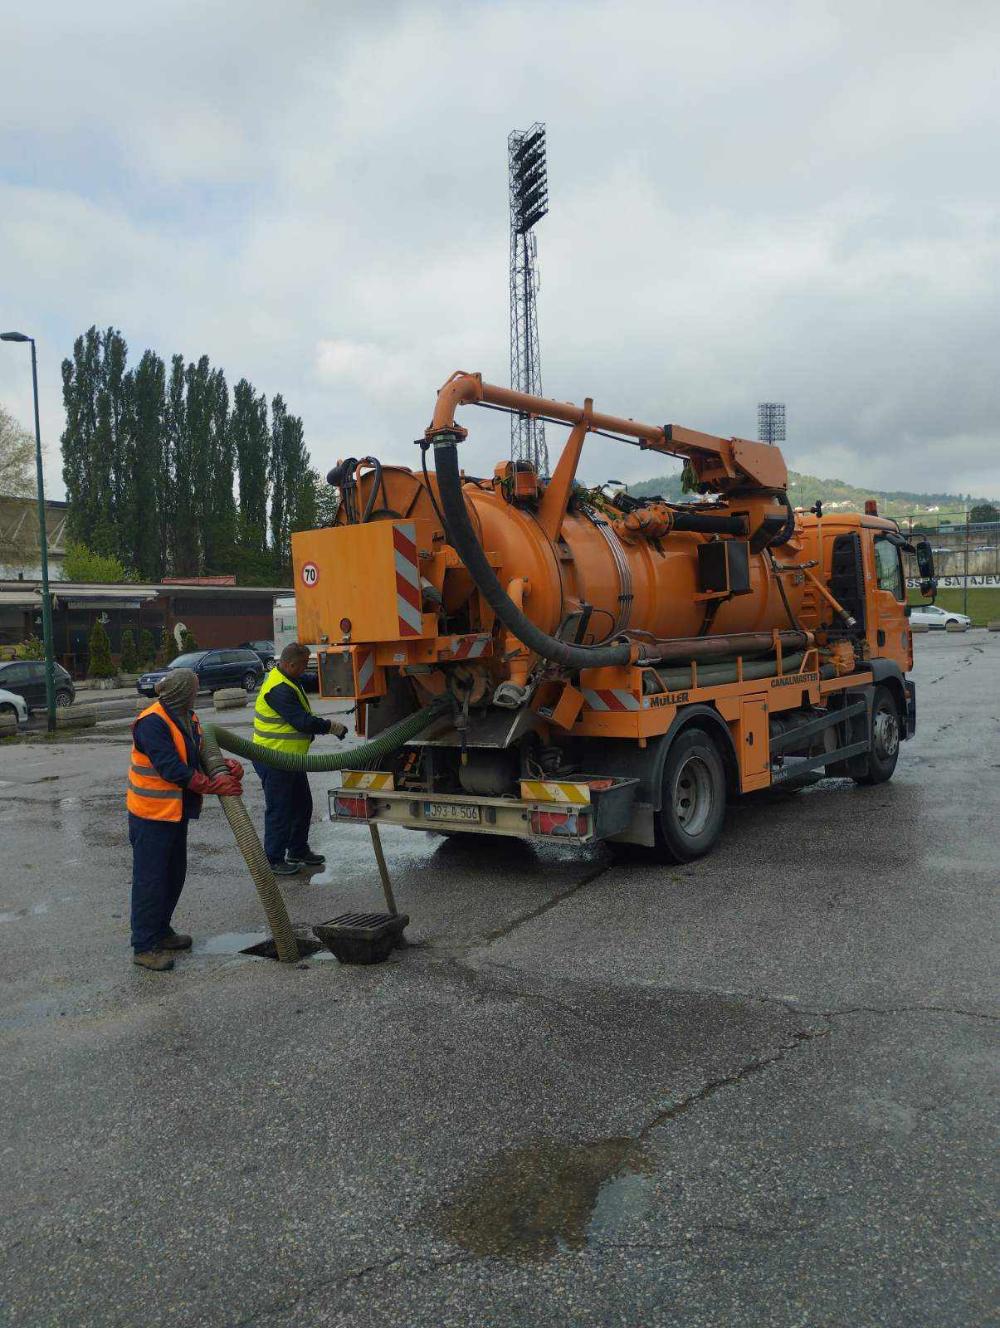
{"points": [[724, 464]]}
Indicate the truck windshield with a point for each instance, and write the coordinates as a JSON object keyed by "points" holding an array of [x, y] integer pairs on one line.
{"points": [[887, 567]]}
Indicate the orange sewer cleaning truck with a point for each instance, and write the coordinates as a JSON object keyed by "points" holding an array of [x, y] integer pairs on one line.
{"points": [[617, 667]]}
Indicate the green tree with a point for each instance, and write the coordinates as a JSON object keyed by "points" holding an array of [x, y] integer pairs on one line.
{"points": [[188, 641], [81, 377], [83, 564], [147, 649], [129, 657], [17, 458], [146, 486], [220, 532], [293, 484], [983, 512], [164, 648], [251, 444], [327, 502], [184, 518], [100, 664]]}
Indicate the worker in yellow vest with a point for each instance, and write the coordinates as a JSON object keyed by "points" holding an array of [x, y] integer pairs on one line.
{"points": [[166, 785], [283, 721]]}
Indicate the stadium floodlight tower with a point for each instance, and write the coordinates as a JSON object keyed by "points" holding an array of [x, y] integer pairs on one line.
{"points": [[771, 421], [529, 202]]}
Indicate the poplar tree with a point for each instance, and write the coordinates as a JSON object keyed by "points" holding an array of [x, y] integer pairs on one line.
{"points": [[183, 527], [147, 488], [220, 522], [251, 445], [81, 382]]}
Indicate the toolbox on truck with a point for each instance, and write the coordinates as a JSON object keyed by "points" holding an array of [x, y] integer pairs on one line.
{"points": [[581, 810]]}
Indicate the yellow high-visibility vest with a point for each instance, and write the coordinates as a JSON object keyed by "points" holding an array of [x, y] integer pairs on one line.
{"points": [[269, 729]]}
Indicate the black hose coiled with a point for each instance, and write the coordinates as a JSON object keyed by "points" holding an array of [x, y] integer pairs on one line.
{"points": [[462, 538]]}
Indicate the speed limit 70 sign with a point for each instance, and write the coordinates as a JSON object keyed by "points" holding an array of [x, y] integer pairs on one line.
{"points": [[310, 574]]}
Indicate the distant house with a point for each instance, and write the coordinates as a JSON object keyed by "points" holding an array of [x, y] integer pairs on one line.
{"points": [[19, 553], [217, 615]]}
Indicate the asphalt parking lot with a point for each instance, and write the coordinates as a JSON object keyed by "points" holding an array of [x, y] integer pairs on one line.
{"points": [[759, 1090]]}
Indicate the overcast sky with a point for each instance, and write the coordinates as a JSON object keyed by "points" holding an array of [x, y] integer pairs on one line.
{"points": [[748, 201]]}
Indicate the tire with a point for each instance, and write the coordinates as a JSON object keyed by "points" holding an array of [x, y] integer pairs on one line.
{"points": [[693, 797], [885, 738], [64, 698], [250, 682], [8, 709]]}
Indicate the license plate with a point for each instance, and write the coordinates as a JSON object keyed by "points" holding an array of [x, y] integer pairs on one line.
{"points": [[450, 811]]}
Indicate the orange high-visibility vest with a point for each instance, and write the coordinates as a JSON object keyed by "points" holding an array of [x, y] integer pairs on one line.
{"points": [[149, 795]]}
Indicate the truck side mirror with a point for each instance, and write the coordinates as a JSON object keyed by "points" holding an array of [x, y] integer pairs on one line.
{"points": [[925, 565]]}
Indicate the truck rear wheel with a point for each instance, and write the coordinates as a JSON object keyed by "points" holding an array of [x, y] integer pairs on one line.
{"points": [[885, 737], [693, 798]]}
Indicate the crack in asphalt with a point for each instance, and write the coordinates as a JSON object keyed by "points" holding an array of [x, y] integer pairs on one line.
{"points": [[746, 1071], [355, 1275]]}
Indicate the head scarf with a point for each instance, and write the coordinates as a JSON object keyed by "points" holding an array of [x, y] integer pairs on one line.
{"points": [[177, 691]]}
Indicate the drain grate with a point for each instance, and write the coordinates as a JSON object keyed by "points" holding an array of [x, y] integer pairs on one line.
{"points": [[362, 938]]}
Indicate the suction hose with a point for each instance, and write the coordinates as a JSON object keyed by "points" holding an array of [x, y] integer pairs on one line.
{"points": [[239, 818], [463, 540], [350, 758]]}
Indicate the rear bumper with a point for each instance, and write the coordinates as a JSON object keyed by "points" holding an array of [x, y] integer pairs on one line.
{"points": [[607, 814]]}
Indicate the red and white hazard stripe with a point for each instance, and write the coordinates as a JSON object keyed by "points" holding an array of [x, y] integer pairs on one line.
{"points": [[366, 670], [469, 647], [408, 595], [610, 698]]}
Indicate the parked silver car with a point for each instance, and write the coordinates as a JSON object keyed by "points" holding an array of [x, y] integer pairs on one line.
{"points": [[934, 616], [12, 704]]}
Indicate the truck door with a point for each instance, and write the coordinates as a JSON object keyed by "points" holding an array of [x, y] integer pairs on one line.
{"points": [[891, 626]]}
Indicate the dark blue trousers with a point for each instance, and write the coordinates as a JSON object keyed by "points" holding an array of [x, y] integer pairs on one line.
{"points": [[288, 808], [159, 865]]}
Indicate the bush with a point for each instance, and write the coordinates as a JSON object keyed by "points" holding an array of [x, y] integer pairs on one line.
{"points": [[31, 647], [83, 564], [130, 660], [147, 650], [101, 665], [188, 641], [164, 649]]}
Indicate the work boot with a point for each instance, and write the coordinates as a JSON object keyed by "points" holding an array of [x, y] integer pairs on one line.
{"points": [[157, 960], [311, 859], [175, 940], [289, 868]]}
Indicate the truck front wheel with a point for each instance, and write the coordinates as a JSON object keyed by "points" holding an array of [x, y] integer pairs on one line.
{"points": [[693, 798], [884, 738]]}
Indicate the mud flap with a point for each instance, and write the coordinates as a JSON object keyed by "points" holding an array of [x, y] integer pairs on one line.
{"points": [[857, 728]]}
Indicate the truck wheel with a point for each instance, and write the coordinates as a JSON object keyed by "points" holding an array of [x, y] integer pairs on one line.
{"points": [[694, 798], [885, 738]]}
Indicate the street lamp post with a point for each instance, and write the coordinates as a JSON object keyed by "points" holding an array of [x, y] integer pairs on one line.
{"points": [[43, 543]]}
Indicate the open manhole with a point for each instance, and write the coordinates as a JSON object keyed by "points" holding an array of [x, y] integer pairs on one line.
{"points": [[269, 950]]}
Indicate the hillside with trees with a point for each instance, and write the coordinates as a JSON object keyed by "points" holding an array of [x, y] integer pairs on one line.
{"points": [[804, 490], [168, 473]]}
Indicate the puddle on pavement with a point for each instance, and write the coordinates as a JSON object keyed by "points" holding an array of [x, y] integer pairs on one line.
{"points": [[238, 942], [531, 1202], [229, 943]]}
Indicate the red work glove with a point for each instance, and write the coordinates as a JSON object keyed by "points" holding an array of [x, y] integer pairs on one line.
{"points": [[234, 768], [225, 786]]}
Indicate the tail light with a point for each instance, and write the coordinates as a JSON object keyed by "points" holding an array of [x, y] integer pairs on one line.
{"points": [[572, 823], [350, 807]]}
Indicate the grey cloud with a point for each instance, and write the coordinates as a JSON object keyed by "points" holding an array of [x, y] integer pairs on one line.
{"points": [[748, 200]]}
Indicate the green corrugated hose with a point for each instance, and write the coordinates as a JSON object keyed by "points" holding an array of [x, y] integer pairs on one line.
{"points": [[239, 818], [351, 758]]}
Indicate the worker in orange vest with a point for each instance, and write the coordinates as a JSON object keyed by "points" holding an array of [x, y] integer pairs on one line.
{"points": [[165, 788]]}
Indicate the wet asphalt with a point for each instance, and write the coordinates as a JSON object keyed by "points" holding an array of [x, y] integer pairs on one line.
{"points": [[761, 1089]]}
